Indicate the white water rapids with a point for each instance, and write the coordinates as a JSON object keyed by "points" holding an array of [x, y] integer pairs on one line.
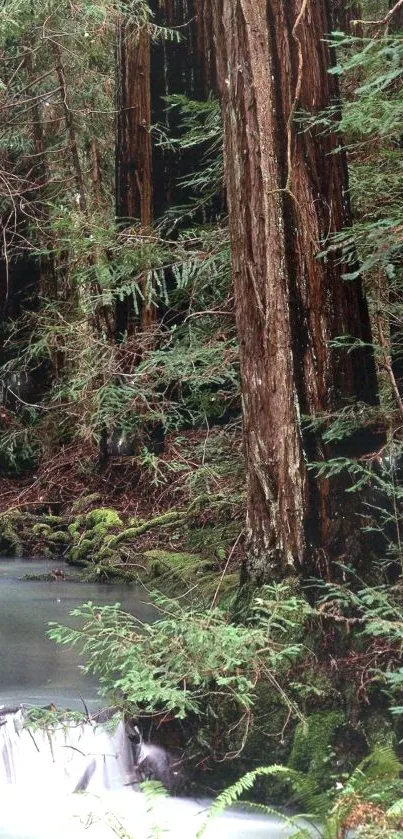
{"points": [[74, 782]]}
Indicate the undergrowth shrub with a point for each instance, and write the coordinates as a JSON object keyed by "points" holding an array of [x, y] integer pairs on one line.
{"points": [[194, 663]]}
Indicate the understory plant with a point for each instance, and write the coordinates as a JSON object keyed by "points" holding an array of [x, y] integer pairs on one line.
{"points": [[368, 802], [194, 663]]}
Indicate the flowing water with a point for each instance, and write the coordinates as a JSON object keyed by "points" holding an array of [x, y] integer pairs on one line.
{"points": [[33, 669], [75, 782]]}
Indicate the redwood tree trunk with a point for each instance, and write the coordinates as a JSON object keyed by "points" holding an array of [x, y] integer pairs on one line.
{"points": [[276, 478], [286, 194], [316, 205], [133, 119], [134, 187]]}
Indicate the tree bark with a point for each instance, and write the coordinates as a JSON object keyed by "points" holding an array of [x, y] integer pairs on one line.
{"points": [[287, 192], [276, 477], [396, 21], [343, 13], [133, 167], [133, 139]]}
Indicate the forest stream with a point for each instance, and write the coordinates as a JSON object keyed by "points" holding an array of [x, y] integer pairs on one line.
{"points": [[40, 771]]}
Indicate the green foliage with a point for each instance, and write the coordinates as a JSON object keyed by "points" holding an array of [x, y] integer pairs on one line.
{"points": [[233, 794], [312, 751], [361, 802], [198, 126], [190, 661], [188, 373]]}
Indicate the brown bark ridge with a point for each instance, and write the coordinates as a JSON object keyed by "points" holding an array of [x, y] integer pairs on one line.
{"points": [[287, 193], [133, 166], [273, 447], [316, 205], [133, 120], [343, 13]]}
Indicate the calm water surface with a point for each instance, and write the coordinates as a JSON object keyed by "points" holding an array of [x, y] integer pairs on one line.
{"points": [[33, 669]]}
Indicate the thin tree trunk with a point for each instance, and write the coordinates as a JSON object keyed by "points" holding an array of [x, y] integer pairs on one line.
{"points": [[287, 194], [71, 129], [95, 171]]}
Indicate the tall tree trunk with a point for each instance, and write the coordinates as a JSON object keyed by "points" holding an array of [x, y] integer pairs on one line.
{"points": [[316, 205], [134, 185], [276, 478], [133, 139], [286, 194]]}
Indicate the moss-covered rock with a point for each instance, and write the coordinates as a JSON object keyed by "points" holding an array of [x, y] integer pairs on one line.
{"points": [[312, 747], [41, 529], [379, 731], [60, 537], [103, 516], [11, 530]]}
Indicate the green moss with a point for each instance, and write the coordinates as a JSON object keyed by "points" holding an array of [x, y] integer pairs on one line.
{"points": [[214, 540], [11, 527], [75, 526], [52, 520], [103, 516], [312, 746], [379, 731], [60, 537], [136, 522], [81, 551], [165, 519], [41, 529], [182, 563]]}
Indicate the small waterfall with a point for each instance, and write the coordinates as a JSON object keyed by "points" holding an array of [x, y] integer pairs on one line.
{"points": [[71, 757], [43, 770]]}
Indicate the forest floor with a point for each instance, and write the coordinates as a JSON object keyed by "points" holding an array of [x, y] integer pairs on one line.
{"points": [[183, 510]]}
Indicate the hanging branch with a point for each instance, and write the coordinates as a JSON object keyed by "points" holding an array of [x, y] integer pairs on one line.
{"points": [[383, 21]]}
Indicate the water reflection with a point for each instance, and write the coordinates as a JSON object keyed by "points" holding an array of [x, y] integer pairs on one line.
{"points": [[33, 669]]}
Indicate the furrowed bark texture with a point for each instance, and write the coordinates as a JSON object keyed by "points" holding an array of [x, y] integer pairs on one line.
{"points": [[324, 305], [133, 166], [396, 21], [316, 205], [133, 140], [286, 194], [273, 448]]}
